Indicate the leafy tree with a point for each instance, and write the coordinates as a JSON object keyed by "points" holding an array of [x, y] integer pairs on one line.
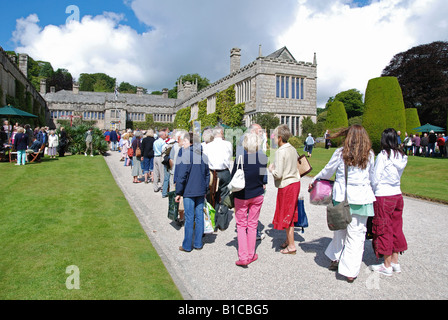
{"points": [[308, 126], [267, 120], [126, 87], [97, 82], [86, 82], [352, 100], [422, 74], [384, 108], [61, 80]]}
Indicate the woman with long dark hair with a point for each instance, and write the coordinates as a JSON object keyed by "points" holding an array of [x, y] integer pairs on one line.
{"points": [[387, 224], [347, 246]]}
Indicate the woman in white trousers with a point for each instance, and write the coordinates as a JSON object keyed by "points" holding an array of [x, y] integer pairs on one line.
{"points": [[347, 246]]}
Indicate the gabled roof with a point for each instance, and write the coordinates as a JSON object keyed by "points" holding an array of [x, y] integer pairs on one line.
{"points": [[282, 54]]}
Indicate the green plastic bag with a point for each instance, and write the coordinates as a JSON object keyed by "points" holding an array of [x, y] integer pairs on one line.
{"points": [[211, 213]]}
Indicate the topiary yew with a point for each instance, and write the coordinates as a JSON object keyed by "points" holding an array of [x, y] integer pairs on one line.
{"points": [[412, 120], [384, 108], [336, 116]]}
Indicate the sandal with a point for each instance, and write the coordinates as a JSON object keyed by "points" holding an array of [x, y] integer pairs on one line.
{"points": [[284, 245], [288, 251]]}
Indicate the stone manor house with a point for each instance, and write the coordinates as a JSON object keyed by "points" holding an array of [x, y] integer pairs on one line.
{"points": [[276, 83]]}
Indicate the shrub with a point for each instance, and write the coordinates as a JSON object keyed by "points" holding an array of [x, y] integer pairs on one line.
{"points": [[336, 119], [412, 120], [77, 144], [295, 142], [336, 116], [384, 108]]}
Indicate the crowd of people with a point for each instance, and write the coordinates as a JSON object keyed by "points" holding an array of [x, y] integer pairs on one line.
{"points": [[426, 144], [22, 139], [198, 169]]}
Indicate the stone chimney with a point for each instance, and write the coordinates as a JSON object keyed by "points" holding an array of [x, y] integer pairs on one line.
{"points": [[52, 89], [139, 91], [23, 64], [235, 60], [75, 88], [43, 86], [165, 93], [13, 58]]}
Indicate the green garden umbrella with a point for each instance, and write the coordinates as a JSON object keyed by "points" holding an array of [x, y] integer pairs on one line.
{"points": [[11, 111], [428, 127]]}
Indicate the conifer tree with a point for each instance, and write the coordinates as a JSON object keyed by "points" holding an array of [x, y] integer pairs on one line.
{"points": [[384, 108]]}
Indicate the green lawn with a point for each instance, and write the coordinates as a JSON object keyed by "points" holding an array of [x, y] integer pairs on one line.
{"points": [[423, 177], [70, 212]]}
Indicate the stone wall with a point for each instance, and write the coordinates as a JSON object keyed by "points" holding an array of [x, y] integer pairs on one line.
{"points": [[9, 73]]}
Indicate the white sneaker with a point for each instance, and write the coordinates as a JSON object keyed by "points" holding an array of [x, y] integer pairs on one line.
{"points": [[85, 154], [381, 268], [396, 267]]}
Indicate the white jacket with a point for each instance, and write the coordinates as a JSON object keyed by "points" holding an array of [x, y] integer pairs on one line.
{"points": [[359, 190], [387, 173], [53, 141]]}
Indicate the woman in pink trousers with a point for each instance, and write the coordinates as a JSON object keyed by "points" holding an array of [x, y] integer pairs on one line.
{"points": [[249, 200]]}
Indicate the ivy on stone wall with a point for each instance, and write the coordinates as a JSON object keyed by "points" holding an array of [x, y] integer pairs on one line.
{"points": [[227, 112], [182, 120]]}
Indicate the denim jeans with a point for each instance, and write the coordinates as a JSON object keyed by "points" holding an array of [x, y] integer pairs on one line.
{"points": [[166, 182], [194, 223]]}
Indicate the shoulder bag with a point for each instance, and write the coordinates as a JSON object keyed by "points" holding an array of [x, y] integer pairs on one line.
{"points": [[339, 216], [238, 182], [138, 151], [303, 165]]}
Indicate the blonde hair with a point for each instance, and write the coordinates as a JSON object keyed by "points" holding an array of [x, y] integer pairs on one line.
{"points": [[150, 133], [251, 142]]}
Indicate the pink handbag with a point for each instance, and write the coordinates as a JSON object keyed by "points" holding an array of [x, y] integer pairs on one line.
{"points": [[321, 192]]}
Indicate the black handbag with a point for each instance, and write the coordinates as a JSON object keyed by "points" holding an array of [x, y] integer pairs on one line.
{"points": [[339, 216]]}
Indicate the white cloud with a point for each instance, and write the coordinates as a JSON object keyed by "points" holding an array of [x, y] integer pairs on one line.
{"points": [[354, 44], [94, 44]]}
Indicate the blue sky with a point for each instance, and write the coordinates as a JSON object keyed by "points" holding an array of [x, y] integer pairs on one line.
{"points": [[53, 12], [150, 43]]}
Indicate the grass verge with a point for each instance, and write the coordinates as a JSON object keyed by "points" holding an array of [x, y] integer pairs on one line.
{"points": [[70, 212]]}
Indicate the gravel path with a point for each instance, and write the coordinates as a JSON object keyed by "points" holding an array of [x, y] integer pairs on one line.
{"points": [[211, 273]]}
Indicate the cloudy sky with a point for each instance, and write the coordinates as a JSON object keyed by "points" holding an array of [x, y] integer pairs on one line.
{"points": [[151, 43]]}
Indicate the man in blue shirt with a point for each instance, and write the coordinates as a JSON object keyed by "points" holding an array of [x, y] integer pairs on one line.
{"points": [[159, 170]]}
